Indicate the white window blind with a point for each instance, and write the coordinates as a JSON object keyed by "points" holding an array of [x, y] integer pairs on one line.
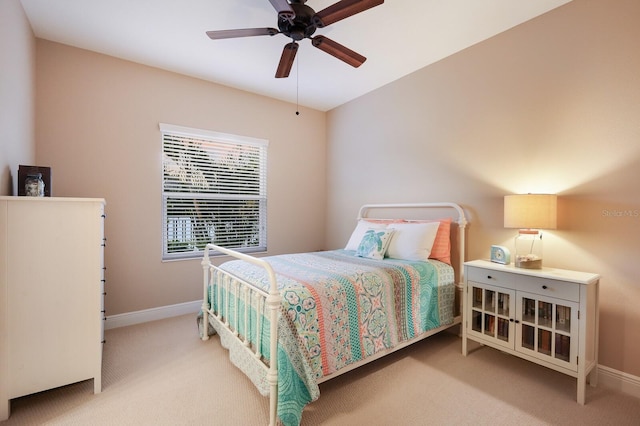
{"points": [[213, 191]]}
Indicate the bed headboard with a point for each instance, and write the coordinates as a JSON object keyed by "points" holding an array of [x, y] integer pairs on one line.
{"points": [[433, 211]]}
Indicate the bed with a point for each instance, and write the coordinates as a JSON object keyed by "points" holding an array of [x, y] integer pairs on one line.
{"points": [[397, 281]]}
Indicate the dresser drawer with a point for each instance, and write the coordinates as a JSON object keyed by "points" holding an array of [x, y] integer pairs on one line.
{"points": [[536, 285], [489, 276], [548, 287]]}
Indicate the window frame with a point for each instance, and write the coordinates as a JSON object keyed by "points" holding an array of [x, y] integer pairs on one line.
{"points": [[221, 139]]}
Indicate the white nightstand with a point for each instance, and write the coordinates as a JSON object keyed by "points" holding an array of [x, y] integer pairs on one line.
{"points": [[547, 316]]}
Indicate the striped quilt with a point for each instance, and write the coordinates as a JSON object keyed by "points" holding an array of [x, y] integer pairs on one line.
{"points": [[337, 309]]}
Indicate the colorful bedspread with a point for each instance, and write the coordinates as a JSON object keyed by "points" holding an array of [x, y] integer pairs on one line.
{"points": [[338, 309]]}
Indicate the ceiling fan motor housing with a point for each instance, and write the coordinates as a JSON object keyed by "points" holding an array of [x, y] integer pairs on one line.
{"points": [[302, 26]]}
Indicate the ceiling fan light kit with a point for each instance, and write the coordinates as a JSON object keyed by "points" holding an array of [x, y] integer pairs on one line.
{"points": [[298, 21]]}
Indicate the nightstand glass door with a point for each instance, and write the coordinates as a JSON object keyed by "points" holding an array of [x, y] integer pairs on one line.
{"points": [[492, 311], [546, 329]]}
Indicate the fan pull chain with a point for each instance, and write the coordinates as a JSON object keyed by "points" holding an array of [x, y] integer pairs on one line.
{"points": [[298, 86]]}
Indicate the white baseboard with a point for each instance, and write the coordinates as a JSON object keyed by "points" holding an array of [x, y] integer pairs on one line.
{"points": [[153, 314], [614, 379]]}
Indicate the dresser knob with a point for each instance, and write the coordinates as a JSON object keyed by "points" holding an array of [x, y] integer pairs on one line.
{"points": [[489, 277], [544, 287]]}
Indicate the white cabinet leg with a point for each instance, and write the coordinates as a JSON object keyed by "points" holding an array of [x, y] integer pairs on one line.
{"points": [[581, 390], [464, 337], [5, 409], [593, 377]]}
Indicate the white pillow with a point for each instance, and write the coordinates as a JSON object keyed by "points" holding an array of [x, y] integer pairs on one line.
{"points": [[412, 241], [358, 233]]}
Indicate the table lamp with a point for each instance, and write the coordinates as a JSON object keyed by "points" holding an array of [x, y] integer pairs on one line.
{"points": [[529, 213]]}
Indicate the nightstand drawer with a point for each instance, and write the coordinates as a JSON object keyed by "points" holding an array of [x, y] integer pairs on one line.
{"points": [[488, 276], [548, 287]]}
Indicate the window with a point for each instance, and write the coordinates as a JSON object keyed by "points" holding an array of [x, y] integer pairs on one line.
{"points": [[213, 191]]}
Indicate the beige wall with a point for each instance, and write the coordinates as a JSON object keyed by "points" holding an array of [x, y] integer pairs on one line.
{"points": [[97, 127], [552, 105], [17, 94]]}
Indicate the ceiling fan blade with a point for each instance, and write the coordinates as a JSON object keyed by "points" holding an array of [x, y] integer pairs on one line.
{"points": [[339, 51], [286, 60], [284, 9], [247, 32], [343, 9]]}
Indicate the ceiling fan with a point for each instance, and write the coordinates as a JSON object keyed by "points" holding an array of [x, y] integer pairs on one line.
{"points": [[298, 21]]}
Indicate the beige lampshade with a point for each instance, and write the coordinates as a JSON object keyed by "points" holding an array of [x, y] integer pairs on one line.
{"points": [[530, 211]]}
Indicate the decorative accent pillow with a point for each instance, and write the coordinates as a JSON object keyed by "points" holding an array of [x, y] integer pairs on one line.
{"points": [[412, 241], [374, 243], [361, 228], [441, 249]]}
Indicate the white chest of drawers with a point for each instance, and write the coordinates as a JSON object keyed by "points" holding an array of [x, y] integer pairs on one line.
{"points": [[51, 294]]}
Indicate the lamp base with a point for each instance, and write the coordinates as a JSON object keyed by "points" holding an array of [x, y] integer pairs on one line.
{"points": [[528, 249], [528, 262]]}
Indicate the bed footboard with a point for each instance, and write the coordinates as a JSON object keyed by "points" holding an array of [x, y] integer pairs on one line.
{"points": [[230, 303]]}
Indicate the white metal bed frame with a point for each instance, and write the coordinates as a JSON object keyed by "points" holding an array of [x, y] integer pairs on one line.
{"points": [[273, 300]]}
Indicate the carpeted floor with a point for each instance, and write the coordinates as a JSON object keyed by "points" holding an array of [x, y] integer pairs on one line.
{"points": [[160, 373]]}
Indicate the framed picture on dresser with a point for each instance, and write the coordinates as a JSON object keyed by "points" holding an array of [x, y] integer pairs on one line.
{"points": [[27, 174]]}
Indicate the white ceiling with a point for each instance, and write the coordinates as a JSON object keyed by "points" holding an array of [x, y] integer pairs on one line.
{"points": [[397, 37]]}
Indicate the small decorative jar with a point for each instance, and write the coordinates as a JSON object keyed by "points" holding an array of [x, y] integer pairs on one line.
{"points": [[34, 185], [528, 249]]}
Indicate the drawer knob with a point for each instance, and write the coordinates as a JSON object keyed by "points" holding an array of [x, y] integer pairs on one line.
{"points": [[489, 277], [544, 287]]}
